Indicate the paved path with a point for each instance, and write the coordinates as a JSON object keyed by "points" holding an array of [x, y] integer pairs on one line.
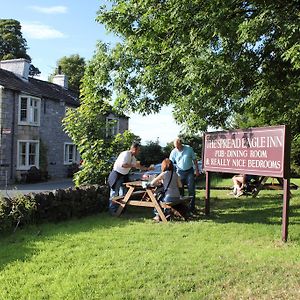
{"points": [[50, 185]]}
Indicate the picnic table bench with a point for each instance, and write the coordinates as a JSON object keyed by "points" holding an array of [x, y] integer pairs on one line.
{"points": [[178, 208], [141, 195]]}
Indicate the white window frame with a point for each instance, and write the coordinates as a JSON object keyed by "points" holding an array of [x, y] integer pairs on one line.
{"points": [[75, 154], [27, 166], [112, 130], [30, 111]]}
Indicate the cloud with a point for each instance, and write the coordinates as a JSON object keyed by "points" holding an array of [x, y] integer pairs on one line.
{"points": [[40, 31], [50, 10]]}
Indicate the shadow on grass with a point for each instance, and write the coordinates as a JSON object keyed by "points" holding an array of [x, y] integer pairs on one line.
{"points": [[21, 244], [266, 210]]}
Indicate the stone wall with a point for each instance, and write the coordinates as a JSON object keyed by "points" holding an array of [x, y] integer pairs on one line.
{"points": [[59, 205]]}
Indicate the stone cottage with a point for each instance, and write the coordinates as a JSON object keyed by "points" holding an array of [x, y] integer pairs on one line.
{"points": [[31, 113]]}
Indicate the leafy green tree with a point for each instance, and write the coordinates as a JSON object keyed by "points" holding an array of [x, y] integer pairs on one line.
{"points": [[151, 153], [12, 43], [87, 126], [209, 59], [72, 66], [195, 141]]}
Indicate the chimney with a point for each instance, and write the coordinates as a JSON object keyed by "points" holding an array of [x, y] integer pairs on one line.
{"points": [[61, 79], [19, 66]]}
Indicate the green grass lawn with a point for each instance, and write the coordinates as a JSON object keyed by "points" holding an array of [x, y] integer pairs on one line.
{"points": [[236, 253]]}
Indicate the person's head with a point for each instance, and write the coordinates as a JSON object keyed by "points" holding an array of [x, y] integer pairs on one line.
{"points": [[135, 148], [178, 143], [167, 165]]}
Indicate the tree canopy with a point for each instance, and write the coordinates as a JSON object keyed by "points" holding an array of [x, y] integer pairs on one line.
{"points": [[72, 66], [12, 43], [209, 59]]}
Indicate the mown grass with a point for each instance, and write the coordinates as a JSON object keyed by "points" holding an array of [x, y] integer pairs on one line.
{"points": [[236, 253]]}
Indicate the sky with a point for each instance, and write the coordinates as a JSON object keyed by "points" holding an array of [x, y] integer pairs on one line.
{"points": [[57, 28]]}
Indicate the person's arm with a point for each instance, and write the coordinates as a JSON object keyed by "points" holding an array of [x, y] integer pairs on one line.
{"points": [[129, 161], [143, 168], [172, 157], [158, 178]]}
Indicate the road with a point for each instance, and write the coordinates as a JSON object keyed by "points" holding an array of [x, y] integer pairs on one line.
{"points": [[17, 189]]}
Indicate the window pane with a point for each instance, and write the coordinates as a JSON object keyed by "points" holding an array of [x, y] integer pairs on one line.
{"points": [[70, 153], [23, 109], [22, 154], [35, 115], [71, 147], [32, 153]]}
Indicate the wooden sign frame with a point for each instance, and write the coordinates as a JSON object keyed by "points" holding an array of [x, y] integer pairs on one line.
{"points": [[263, 151]]}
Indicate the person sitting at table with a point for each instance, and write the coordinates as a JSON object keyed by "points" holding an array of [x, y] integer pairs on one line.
{"points": [[119, 174], [240, 183], [171, 184]]}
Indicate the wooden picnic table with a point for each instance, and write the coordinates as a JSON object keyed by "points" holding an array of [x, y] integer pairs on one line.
{"points": [[139, 195], [261, 184]]}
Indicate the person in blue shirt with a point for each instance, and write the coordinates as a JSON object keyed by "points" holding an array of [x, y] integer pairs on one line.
{"points": [[184, 157]]}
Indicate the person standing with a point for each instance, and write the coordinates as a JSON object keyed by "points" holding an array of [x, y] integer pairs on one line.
{"points": [[119, 174], [184, 157]]}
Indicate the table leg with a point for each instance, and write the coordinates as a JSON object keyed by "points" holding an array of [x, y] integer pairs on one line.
{"points": [[157, 206], [126, 198], [260, 185]]}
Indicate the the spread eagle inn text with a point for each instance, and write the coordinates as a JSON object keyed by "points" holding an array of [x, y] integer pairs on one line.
{"points": [[245, 152]]}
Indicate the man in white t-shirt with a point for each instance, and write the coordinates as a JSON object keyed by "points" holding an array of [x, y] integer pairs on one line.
{"points": [[125, 161]]}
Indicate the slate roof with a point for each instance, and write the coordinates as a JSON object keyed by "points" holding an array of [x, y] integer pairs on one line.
{"points": [[38, 88]]}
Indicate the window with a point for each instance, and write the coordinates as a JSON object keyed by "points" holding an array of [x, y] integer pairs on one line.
{"points": [[29, 111], [28, 154], [112, 126], [71, 155]]}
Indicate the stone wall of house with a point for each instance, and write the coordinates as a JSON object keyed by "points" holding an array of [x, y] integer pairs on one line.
{"points": [[6, 138], [123, 124], [52, 136], [49, 134]]}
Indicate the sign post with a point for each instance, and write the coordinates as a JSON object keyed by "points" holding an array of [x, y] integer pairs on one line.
{"points": [[261, 151]]}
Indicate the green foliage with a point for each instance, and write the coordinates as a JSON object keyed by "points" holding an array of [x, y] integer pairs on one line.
{"points": [[151, 153], [194, 141], [295, 156], [33, 71], [208, 58], [18, 210], [72, 66], [12, 43], [87, 125]]}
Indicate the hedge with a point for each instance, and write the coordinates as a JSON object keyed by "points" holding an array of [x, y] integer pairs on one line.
{"points": [[59, 205]]}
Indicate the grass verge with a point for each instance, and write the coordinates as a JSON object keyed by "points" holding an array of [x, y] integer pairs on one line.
{"points": [[236, 253]]}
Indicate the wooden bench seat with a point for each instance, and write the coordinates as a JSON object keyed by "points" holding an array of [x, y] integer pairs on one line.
{"points": [[182, 200], [178, 208], [134, 195]]}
